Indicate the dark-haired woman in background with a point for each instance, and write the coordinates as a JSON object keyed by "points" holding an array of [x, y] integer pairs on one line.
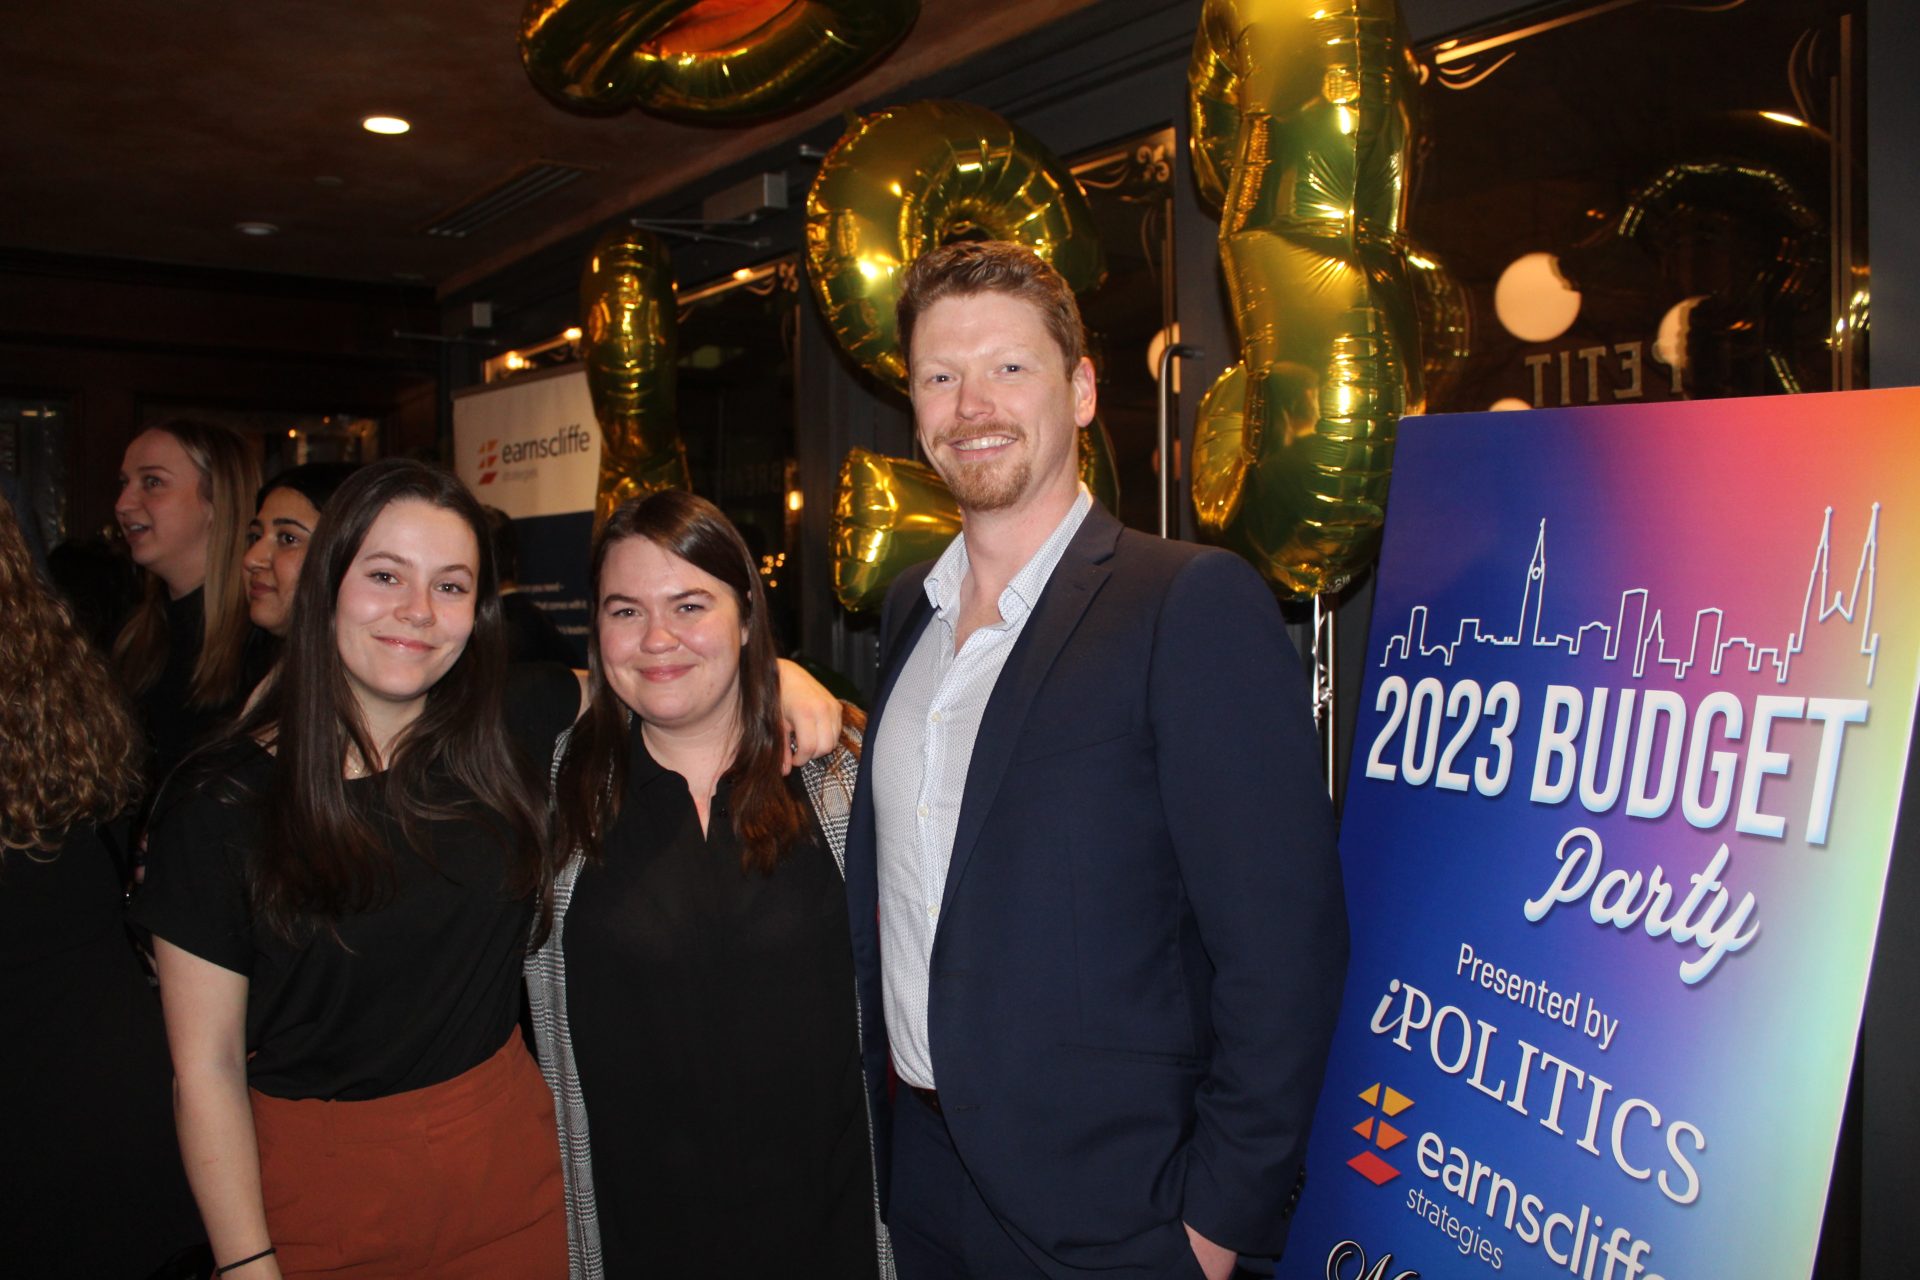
{"points": [[186, 490], [283, 521], [341, 892], [90, 1179], [696, 995]]}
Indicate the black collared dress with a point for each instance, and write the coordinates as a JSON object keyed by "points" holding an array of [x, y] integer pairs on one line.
{"points": [[713, 1028]]}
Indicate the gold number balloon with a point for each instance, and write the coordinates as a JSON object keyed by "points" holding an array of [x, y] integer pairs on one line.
{"points": [[1301, 114], [630, 342], [911, 178], [891, 513], [705, 60]]}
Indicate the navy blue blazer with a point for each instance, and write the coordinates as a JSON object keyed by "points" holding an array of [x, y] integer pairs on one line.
{"points": [[1143, 936]]}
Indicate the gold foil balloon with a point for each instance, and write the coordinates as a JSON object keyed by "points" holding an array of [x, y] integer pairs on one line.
{"points": [[630, 344], [1446, 324], [1312, 241], [1757, 254], [1219, 450], [911, 178], [705, 60], [1213, 104], [890, 514]]}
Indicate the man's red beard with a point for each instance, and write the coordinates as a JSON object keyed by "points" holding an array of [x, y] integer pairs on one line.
{"points": [[987, 485]]}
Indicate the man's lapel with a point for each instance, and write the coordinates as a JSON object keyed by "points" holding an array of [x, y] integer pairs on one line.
{"points": [[1081, 573]]}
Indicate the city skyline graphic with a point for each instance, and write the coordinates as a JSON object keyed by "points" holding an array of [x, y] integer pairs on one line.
{"points": [[1639, 628]]}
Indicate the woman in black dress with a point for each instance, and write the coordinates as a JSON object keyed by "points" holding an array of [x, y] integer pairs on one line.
{"points": [[90, 1181], [696, 995]]}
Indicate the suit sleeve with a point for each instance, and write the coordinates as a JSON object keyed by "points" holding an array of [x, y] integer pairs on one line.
{"points": [[1253, 834]]}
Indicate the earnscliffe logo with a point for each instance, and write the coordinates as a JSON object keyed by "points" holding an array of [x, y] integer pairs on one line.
{"points": [[1376, 1130], [572, 438]]}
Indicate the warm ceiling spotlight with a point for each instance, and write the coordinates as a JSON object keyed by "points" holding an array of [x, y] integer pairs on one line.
{"points": [[1781, 117], [743, 274], [256, 228], [571, 335], [385, 124]]}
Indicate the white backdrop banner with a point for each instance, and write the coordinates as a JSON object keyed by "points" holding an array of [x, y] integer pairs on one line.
{"points": [[530, 448]]}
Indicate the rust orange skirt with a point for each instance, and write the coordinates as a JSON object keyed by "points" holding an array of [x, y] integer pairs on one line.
{"points": [[457, 1179]]}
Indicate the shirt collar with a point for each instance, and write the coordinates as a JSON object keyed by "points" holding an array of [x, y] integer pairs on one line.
{"points": [[1023, 592]]}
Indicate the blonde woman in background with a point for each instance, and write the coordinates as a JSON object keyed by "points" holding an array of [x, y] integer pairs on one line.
{"points": [[186, 492]]}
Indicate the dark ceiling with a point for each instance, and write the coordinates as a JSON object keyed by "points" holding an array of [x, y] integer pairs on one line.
{"points": [[147, 131]]}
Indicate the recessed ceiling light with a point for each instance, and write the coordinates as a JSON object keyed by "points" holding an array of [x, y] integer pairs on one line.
{"points": [[385, 124], [256, 228]]}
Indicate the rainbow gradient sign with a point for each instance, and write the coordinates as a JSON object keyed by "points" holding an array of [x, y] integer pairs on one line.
{"points": [[1638, 699]]}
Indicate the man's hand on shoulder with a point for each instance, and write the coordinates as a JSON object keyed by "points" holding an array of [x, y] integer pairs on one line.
{"points": [[1216, 1263]]}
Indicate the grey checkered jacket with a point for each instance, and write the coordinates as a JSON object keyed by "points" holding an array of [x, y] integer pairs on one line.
{"points": [[829, 784]]}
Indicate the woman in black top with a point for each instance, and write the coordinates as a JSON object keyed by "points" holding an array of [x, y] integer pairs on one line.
{"points": [[90, 1180], [340, 893], [186, 490], [696, 997]]}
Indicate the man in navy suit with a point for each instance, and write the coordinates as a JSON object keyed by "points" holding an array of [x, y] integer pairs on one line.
{"points": [[1098, 919]]}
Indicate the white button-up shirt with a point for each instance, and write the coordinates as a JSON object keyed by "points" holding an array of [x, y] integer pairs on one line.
{"points": [[921, 754]]}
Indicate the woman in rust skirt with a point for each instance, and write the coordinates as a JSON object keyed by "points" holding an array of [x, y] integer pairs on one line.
{"points": [[341, 892]]}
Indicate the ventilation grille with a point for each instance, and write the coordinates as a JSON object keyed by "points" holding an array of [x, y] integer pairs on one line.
{"points": [[532, 183]]}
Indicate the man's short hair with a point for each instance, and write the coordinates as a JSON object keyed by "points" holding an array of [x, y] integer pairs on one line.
{"points": [[989, 266]]}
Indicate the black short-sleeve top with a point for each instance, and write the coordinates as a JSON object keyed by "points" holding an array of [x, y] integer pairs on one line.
{"points": [[414, 991]]}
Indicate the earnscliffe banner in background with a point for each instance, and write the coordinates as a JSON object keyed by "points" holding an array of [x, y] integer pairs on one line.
{"points": [[531, 447], [1638, 699]]}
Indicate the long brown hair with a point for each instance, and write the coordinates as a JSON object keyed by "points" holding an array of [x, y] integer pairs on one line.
{"points": [[320, 858], [767, 818], [228, 478], [69, 745]]}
